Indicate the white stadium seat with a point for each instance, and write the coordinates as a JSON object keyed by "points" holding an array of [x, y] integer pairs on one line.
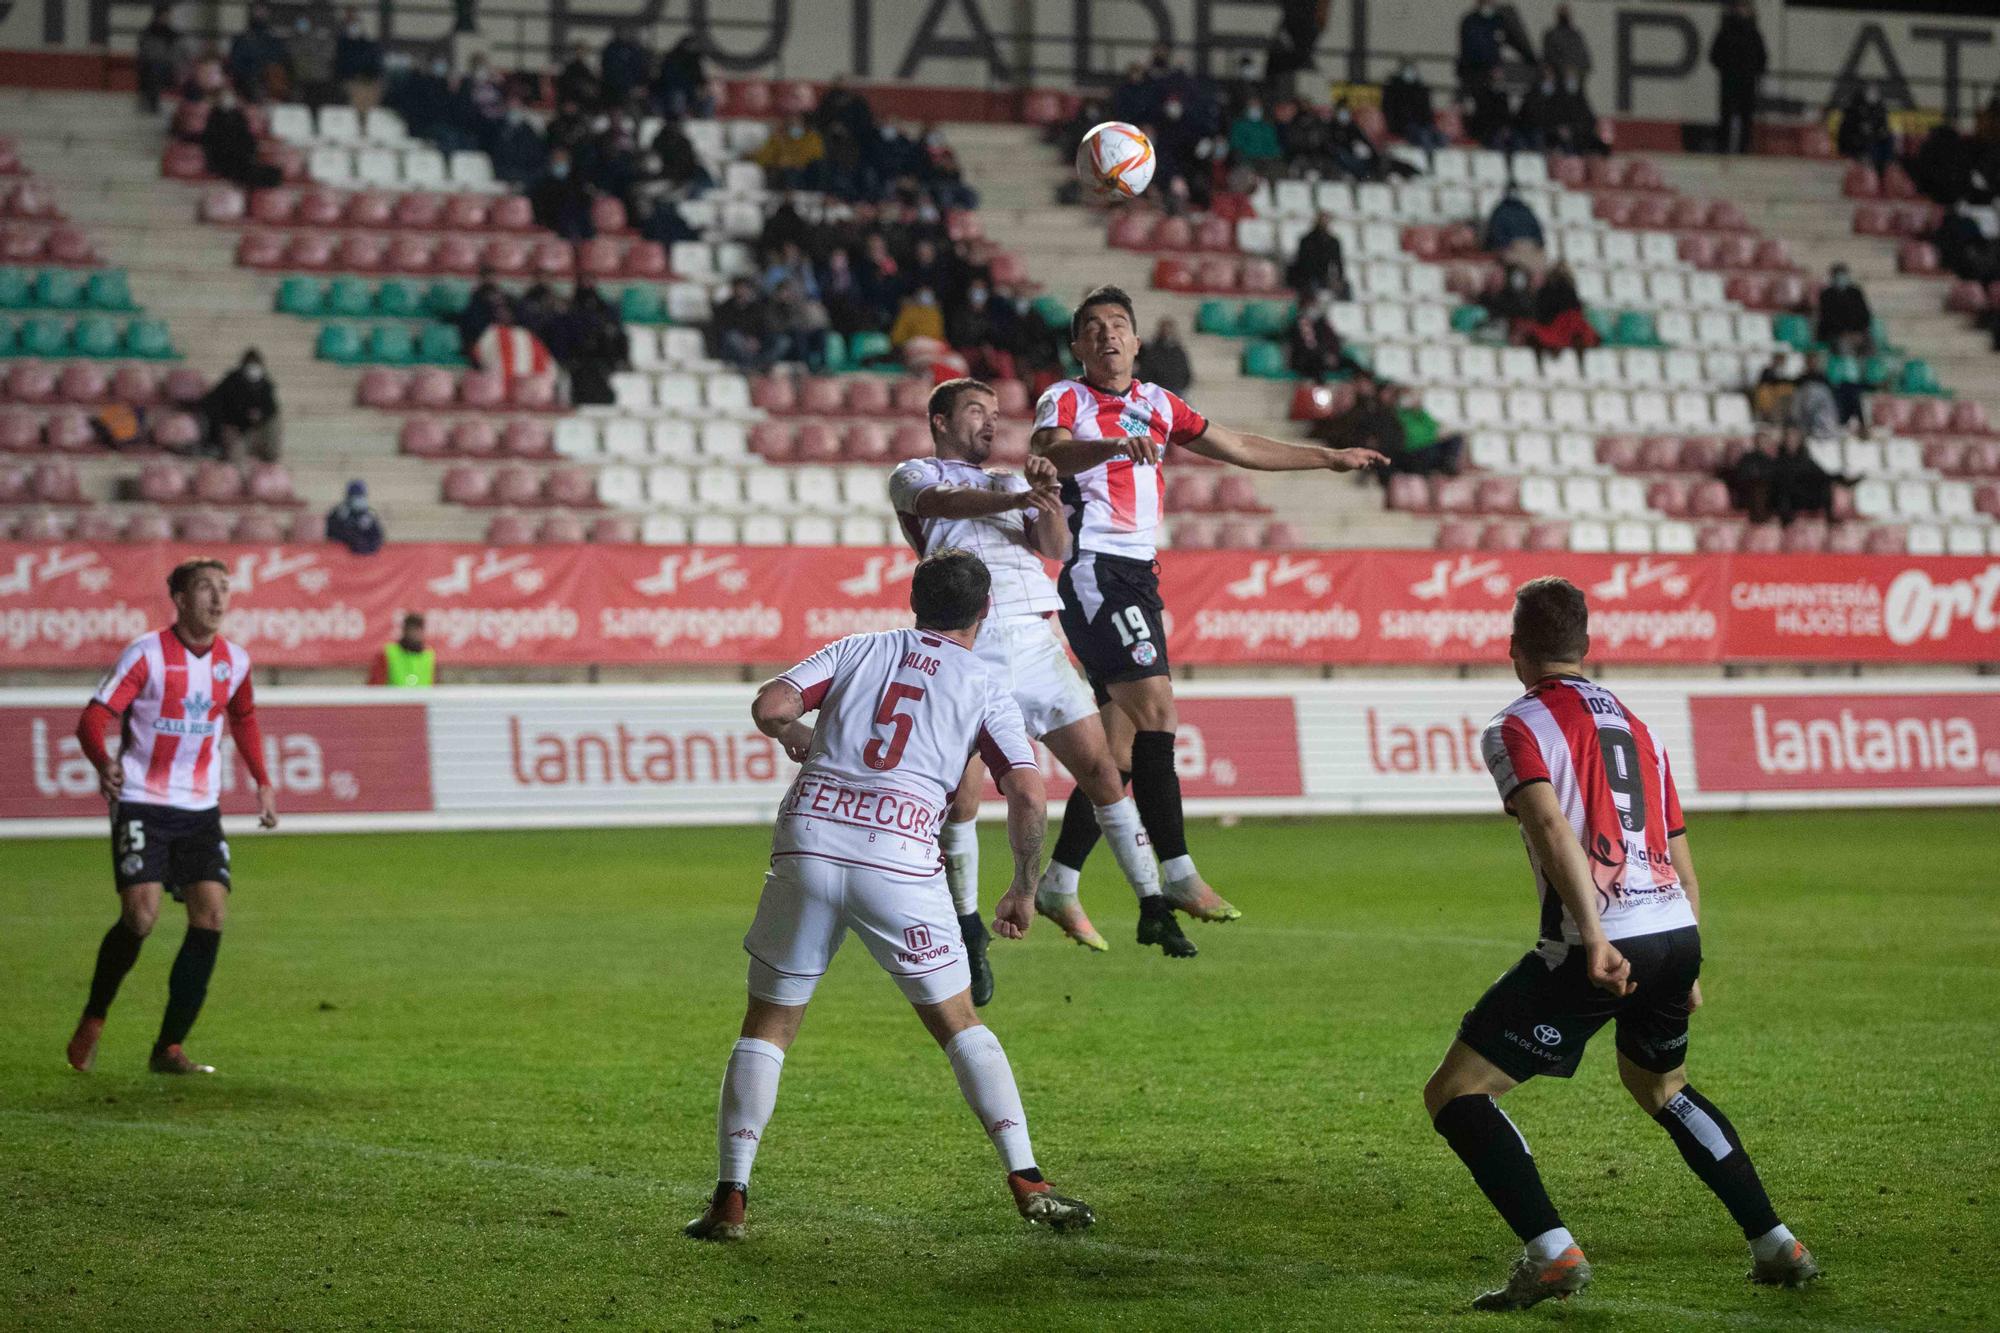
{"points": [[673, 438], [714, 530], [621, 488], [664, 530], [669, 488], [764, 530]]}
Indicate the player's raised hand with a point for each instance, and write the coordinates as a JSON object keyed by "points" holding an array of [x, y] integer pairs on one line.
{"points": [[1041, 473], [1014, 913], [111, 780], [1039, 502], [1353, 460], [1138, 448], [1610, 970], [267, 806]]}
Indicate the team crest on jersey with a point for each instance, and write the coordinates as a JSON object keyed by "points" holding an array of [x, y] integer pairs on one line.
{"points": [[220, 671], [131, 865], [1145, 654], [1133, 424]]}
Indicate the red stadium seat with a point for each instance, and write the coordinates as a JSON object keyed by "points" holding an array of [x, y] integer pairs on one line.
{"points": [[320, 208], [1982, 459], [511, 212], [1215, 234], [135, 386], [308, 528], [69, 432], [1965, 298], [646, 260], [470, 212], [260, 249], [163, 483], [537, 393], [517, 485], [174, 430], [777, 394], [149, 525], [911, 396], [55, 483], [1763, 539], [1172, 234], [1455, 495], [383, 388], [1237, 494], [771, 441], [1701, 454], [510, 530], [1930, 416], [1734, 251], [910, 441], [1239, 534], [571, 487], [1918, 257], [507, 256], [1946, 456], [218, 483], [1751, 290], [1874, 220], [81, 383], [823, 395], [1408, 492], [1498, 495], [185, 385], [1669, 496], [1423, 242], [1708, 499], [815, 442], [412, 254], [1173, 275], [1013, 396], [1459, 534], [528, 439], [457, 255], [1503, 535], [1282, 537], [67, 245], [1846, 539], [1805, 536], [1549, 535], [223, 204], [1988, 499], [865, 442], [749, 97], [20, 433], [260, 529], [1041, 106], [1194, 534], [31, 382], [601, 256], [1262, 277], [1860, 182], [204, 526], [796, 97], [554, 259], [421, 209], [423, 437], [1191, 493], [1896, 182], [1132, 230], [1969, 418], [474, 438], [1698, 248], [371, 208], [614, 530], [1719, 538], [312, 251], [1660, 453], [868, 396], [481, 390], [607, 215]]}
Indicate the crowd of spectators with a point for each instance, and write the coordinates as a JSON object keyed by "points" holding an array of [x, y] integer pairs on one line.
{"points": [[1383, 417], [1777, 477], [516, 333]]}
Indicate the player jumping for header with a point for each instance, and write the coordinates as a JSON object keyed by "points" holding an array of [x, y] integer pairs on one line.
{"points": [[1108, 435], [1595, 798], [1012, 522], [170, 692], [855, 848]]}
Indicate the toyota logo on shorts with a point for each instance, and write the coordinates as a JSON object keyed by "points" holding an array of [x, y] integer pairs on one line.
{"points": [[917, 937], [1547, 1035]]}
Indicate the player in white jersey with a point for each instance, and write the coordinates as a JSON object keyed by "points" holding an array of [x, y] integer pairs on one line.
{"points": [[1108, 434], [855, 848], [1013, 522], [170, 694]]}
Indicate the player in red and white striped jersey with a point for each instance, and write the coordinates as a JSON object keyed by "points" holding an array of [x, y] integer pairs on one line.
{"points": [[1595, 798], [856, 848], [1109, 435], [170, 694]]}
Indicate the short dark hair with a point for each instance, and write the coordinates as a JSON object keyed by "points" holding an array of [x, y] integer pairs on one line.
{"points": [[944, 398], [949, 589], [413, 618], [1551, 620], [182, 578], [1105, 295]]}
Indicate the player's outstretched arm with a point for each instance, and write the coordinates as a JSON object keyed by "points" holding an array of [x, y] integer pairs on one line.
{"points": [[968, 502], [1555, 849], [1260, 453], [1027, 824], [1071, 455]]}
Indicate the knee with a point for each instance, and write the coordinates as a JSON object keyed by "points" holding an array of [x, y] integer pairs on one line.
{"points": [[139, 918], [1438, 1091], [1650, 1090], [1099, 780], [207, 917], [1156, 713]]}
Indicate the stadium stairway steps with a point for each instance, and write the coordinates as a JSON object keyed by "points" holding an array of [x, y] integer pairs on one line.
{"points": [[100, 159], [1800, 201], [1066, 252]]}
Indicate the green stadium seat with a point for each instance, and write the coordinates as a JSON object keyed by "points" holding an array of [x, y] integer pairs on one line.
{"points": [[1843, 370], [1878, 333], [149, 338], [836, 362], [301, 296], [1635, 329], [869, 346], [392, 345], [439, 345], [350, 297], [446, 298], [339, 342], [9, 337], [1466, 318], [398, 300], [1219, 317], [1265, 360], [58, 289], [1918, 377], [94, 335], [642, 305], [1053, 312], [17, 292], [1266, 319], [1795, 331], [109, 290], [1878, 371], [45, 337]]}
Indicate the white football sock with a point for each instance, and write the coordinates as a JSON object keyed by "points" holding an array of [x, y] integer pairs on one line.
{"points": [[1060, 879], [1773, 1243], [1127, 836], [1177, 869], [960, 845], [1550, 1244], [987, 1081], [749, 1095]]}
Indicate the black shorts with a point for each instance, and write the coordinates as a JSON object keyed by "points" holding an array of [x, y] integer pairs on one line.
{"points": [[1538, 1017], [159, 844], [1113, 618]]}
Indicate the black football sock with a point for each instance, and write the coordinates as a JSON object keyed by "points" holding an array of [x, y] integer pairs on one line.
{"points": [[1496, 1154], [1079, 829], [115, 956], [1156, 788], [187, 984], [1709, 1144]]}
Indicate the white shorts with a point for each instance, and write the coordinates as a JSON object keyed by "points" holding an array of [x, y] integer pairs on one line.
{"points": [[808, 906], [1024, 655]]}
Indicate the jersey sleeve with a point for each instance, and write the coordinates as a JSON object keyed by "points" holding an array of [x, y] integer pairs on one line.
{"points": [[1676, 822], [1056, 407], [813, 677], [1512, 756], [1003, 743], [1184, 423], [121, 684], [911, 479]]}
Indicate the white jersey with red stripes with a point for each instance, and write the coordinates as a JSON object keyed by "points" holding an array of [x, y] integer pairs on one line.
{"points": [[1617, 791], [1116, 507], [172, 701], [1021, 582], [900, 712]]}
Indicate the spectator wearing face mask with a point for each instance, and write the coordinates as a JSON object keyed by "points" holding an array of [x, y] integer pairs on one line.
{"points": [[423, 98], [1314, 349], [1487, 113], [1844, 321], [310, 50], [1535, 121], [561, 202], [257, 57], [680, 88], [1865, 134], [1133, 101], [520, 154], [1815, 407], [242, 412], [1317, 265], [358, 63], [1511, 305], [627, 66], [1163, 359], [740, 329], [789, 156], [1253, 140], [1573, 121], [1406, 107], [355, 524], [975, 334], [1353, 152], [1482, 39], [1563, 48], [919, 317], [680, 165], [1248, 83]]}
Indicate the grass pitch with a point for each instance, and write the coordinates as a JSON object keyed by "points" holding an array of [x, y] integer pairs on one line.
{"points": [[469, 1081]]}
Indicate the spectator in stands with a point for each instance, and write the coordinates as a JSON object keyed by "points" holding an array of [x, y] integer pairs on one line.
{"points": [[242, 412], [485, 96], [229, 146], [310, 52], [798, 324], [520, 154], [407, 662], [538, 310], [789, 155], [562, 202], [355, 524], [1963, 247], [1740, 59], [1163, 359], [483, 308], [1426, 448], [1946, 164], [1511, 305], [1406, 107], [973, 330], [1235, 93], [578, 81], [791, 265], [1864, 134], [1253, 140], [1132, 101], [680, 165], [1313, 349], [1845, 321], [1535, 121], [1487, 113], [358, 63], [918, 317], [1318, 265], [1749, 476], [1771, 395], [590, 342], [740, 328], [1514, 233], [1573, 121], [627, 66], [680, 87], [158, 56], [1559, 324], [257, 57], [847, 309], [1354, 153], [1369, 422], [879, 276], [839, 105], [422, 97], [1799, 485], [941, 174], [1481, 38], [1563, 48], [1814, 407]]}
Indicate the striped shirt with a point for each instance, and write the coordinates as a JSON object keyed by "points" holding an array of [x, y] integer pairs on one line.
{"points": [[1116, 507], [173, 701], [1021, 582]]}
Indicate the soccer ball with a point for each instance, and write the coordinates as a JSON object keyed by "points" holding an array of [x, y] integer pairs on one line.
{"points": [[1115, 161]]}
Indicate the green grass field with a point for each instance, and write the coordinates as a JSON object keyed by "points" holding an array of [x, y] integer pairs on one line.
{"points": [[469, 1081]]}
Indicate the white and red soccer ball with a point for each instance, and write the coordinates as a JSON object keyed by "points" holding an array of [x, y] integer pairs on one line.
{"points": [[1115, 161]]}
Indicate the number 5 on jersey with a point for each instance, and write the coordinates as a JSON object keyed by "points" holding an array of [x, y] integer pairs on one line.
{"points": [[888, 714]]}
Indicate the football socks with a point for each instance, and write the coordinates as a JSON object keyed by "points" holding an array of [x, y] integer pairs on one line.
{"points": [[187, 985], [1709, 1144], [749, 1095], [1078, 834], [960, 845], [1156, 786], [1121, 827], [115, 956], [1498, 1157], [987, 1081]]}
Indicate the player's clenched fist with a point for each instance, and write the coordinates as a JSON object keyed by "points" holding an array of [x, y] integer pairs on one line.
{"points": [[1015, 913], [1041, 474]]}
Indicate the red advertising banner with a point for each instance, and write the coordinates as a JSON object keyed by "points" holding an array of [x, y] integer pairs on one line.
{"points": [[1225, 748], [1825, 742], [77, 605], [322, 758]]}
